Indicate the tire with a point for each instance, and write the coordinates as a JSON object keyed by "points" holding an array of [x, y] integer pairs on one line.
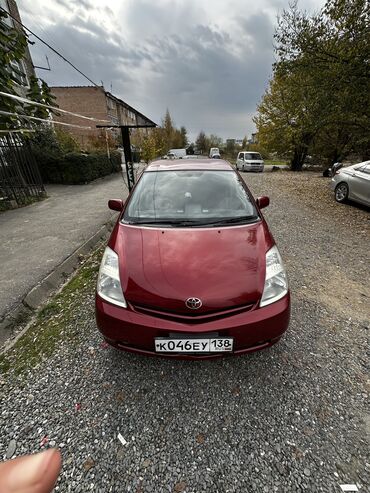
{"points": [[341, 192]]}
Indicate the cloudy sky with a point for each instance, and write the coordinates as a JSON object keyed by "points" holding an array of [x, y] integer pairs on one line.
{"points": [[207, 61]]}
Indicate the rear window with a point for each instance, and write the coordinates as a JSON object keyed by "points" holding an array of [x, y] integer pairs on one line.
{"points": [[196, 195]]}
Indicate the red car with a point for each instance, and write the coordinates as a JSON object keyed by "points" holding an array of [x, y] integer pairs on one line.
{"points": [[191, 269]]}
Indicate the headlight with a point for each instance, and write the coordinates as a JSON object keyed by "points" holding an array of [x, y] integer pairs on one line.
{"points": [[109, 284], [276, 282]]}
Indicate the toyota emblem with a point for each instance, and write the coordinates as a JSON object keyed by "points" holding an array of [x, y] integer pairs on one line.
{"points": [[193, 303]]}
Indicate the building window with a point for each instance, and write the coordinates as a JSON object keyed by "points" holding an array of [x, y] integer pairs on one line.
{"points": [[8, 20], [20, 73]]}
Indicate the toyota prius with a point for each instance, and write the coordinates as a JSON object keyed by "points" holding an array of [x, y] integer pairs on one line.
{"points": [[191, 269]]}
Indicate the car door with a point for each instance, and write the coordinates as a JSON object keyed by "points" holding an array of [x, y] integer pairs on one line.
{"points": [[360, 184], [240, 160]]}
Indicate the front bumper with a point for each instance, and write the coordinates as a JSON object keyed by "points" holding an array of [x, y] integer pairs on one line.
{"points": [[253, 167], [129, 330], [333, 183]]}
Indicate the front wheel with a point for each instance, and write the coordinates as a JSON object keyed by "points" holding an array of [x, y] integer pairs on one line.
{"points": [[341, 192]]}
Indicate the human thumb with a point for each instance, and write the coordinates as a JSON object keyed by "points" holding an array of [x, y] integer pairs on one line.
{"points": [[31, 473]]}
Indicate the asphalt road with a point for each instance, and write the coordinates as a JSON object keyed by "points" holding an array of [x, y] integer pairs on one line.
{"points": [[289, 419], [37, 238]]}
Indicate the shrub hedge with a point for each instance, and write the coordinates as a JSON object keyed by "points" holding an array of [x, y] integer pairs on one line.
{"points": [[75, 168]]}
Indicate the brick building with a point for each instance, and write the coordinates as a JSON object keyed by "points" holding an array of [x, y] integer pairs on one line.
{"points": [[95, 102], [26, 65]]}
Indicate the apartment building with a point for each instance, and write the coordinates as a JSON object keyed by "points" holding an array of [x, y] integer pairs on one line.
{"points": [[96, 102]]}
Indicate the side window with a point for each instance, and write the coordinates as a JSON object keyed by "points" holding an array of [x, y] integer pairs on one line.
{"points": [[366, 169]]}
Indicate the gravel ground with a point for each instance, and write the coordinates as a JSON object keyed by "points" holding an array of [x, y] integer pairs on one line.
{"points": [[289, 419]]}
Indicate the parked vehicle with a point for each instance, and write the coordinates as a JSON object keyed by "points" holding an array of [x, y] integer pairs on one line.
{"points": [[191, 269], [249, 161], [352, 183], [214, 151], [176, 153]]}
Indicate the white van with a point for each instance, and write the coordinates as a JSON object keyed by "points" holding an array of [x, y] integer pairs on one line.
{"points": [[249, 161], [214, 151], [176, 153]]}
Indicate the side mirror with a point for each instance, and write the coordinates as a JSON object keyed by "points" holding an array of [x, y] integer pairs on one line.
{"points": [[263, 202], [115, 205], [335, 168]]}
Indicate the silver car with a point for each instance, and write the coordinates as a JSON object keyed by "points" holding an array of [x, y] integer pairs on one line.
{"points": [[352, 183]]}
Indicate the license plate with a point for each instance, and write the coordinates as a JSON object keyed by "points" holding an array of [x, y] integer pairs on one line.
{"points": [[215, 345]]}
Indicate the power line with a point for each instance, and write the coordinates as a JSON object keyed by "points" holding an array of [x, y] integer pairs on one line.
{"points": [[8, 113], [16, 131], [35, 103], [50, 47]]}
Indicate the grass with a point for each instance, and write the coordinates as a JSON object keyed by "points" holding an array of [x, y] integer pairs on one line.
{"points": [[55, 323], [271, 162]]}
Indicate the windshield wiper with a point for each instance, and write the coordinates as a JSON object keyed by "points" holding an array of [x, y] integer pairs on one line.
{"points": [[164, 222], [195, 223], [233, 220]]}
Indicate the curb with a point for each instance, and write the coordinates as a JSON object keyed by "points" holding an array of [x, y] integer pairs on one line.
{"points": [[49, 285]]}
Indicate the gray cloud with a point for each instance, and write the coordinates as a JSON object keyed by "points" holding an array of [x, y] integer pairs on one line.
{"points": [[210, 76]]}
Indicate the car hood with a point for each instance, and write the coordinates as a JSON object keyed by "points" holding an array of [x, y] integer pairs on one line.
{"points": [[161, 268]]}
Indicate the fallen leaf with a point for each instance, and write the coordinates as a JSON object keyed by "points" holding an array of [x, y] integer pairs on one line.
{"points": [[120, 396], [200, 438], [44, 441], [78, 406], [89, 464], [104, 345], [308, 431], [297, 452], [236, 390], [179, 487], [147, 463]]}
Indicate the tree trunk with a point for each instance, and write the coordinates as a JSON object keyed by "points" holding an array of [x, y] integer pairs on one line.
{"points": [[298, 158], [300, 152]]}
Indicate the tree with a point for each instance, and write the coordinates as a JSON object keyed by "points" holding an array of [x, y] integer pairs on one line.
{"points": [[40, 92], [168, 130], [12, 49], [190, 149], [148, 148], [184, 137], [287, 119], [202, 142], [215, 141], [230, 146], [318, 97]]}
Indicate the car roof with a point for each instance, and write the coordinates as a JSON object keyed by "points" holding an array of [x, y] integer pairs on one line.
{"points": [[189, 164]]}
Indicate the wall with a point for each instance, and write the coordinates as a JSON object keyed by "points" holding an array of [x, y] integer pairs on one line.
{"points": [[85, 100]]}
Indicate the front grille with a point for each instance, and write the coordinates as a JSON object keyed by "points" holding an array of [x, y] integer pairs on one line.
{"points": [[192, 317]]}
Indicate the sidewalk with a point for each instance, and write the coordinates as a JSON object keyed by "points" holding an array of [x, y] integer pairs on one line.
{"points": [[35, 239]]}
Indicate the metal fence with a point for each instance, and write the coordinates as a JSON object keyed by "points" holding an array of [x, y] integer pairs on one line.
{"points": [[20, 179]]}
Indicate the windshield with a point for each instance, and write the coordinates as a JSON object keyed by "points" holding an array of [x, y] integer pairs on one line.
{"points": [[253, 156], [187, 198]]}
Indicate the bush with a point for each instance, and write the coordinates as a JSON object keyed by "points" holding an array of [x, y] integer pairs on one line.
{"points": [[75, 168]]}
